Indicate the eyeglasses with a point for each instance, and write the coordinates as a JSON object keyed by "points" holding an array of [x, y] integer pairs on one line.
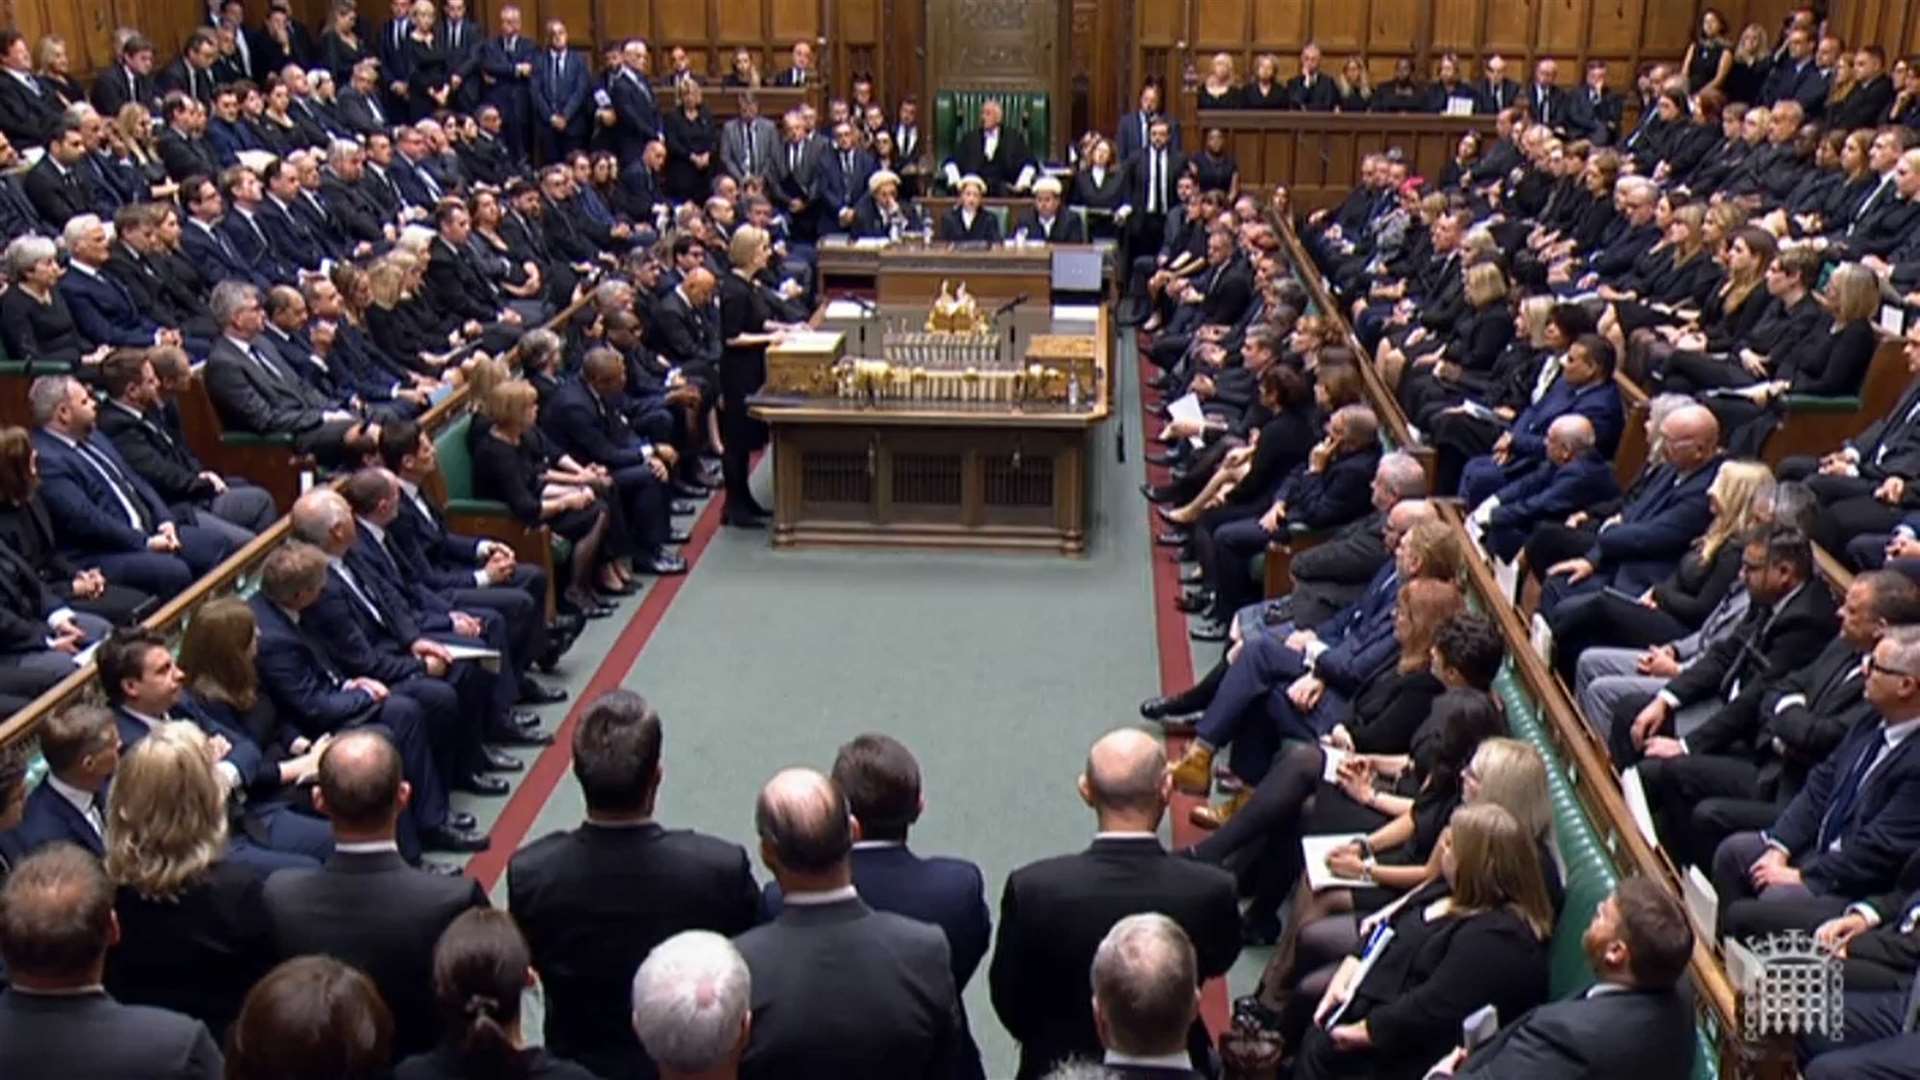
{"points": [[1874, 665]]}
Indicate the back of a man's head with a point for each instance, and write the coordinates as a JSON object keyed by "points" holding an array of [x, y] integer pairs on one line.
{"points": [[616, 754], [360, 782], [881, 780], [690, 1004], [1145, 986], [1658, 936], [803, 824], [1126, 775], [56, 918]]}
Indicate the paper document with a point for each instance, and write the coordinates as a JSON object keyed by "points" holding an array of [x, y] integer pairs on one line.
{"points": [[1636, 795], [1076, 313], [1314, 849], [480, 654], [1703, 903], [845, 309], [1336, 757], [1188, 408], [1376, 945], [868, 243], [1479, 1029]]}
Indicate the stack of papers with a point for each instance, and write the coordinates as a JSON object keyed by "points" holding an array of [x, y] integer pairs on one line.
{"points": [[1315, 850]]}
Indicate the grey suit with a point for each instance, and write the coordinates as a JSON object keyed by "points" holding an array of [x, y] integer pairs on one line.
{"points": [[1606, 676], [89, 1035], [844, 992], [251, 398], [734, 157]]}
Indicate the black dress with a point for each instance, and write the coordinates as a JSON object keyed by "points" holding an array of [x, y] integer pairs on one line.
{"points": [[28, 531], [1230, 98], [1272, 98], [427, 69], [197, 953], [1100, 197], [516, 475], [42, 334], [339, 56], [1744, 79], [1215, 171], [686, 181], [743, 371], [1706, 64]]}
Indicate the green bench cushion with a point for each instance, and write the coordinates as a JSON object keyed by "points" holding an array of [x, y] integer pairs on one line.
{"points": [[1813, 403], [242, 438]]}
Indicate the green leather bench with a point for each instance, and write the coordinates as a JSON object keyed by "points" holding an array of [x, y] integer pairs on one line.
{"points": [[268, 460], [955, 112], [533, 544], [1590, 873]]}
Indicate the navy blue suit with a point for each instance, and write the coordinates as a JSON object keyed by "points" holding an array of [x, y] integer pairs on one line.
{"points": [[508, 90], [214, 253], [1548, 492], [1598, 401], [94, 529], [307, 689], [636, 116], [49, 818], [267, 832], [1884, 825], [949, 893], [445, 562], [248, 238], [592, 431], [291, 239], [104, 311], [564, 93], [1340, 493]]}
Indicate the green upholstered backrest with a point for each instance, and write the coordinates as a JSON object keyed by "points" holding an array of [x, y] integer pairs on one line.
{"points": [[456, 460], [1000, 214], [957, 111]]}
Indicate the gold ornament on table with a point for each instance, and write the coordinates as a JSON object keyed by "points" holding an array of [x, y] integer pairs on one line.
{"points": [[957, 313]]}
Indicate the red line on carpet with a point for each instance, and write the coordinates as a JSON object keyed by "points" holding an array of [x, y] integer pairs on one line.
{"points": [[1176, 669], [544, 775]]}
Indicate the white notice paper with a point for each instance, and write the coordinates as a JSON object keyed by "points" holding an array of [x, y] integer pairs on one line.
{"points": [[1315, 850], [1188, 408], [1336, 757], [487, 658], [1637, 805]]}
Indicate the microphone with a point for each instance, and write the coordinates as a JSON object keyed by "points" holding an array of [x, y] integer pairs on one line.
{"points": [[1010, 305]]}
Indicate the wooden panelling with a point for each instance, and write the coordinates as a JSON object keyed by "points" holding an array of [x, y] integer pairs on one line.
{"points": [[1159, 24], [1563, 25], [789, 20], [1392, 27], [1507, 25], [1340, 28], [1454, 26], [1616, 27], [1280, 24], [1317, 155], [738, 20], [673, 24], [1219, 23], [859, 21]]}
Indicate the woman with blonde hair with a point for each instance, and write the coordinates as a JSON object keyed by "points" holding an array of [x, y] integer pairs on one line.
{"points": [[1830, 364], [1676, 606], [56, 71], [183, 905], [1752, 63], [1221, 88], [1727, 315], [1676, 274], [1474, 936], [130, 136], [1356, 90], [1474, 344]]}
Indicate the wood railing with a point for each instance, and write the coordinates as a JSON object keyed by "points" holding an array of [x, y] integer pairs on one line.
{"points": [[1318, 155], [171, 617], [1588, 766]]}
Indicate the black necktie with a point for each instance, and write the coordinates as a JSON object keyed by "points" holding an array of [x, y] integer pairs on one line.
{"points": [[1847, 796], [119, 481], [260, 358]]}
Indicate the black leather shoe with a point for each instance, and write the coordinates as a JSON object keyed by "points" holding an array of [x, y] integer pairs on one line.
{"points": [[1208, 630], [684, 490], [1193, 601], [524, 720], [1173, 538], [678, 537], [663, 565], [565, 624], [1179, 474], [1157, 494], [532, 693], [482, 784], [682, 509], [1192, 577], [586, 606], [1156, 708], [446, 838], [1163, 459], [518, 737], [499, 761], [440, 869], [460, 819], [1184, 553]]}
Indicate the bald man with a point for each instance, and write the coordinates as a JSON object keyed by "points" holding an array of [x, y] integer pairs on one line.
{"points": [[1573, 476], [1055, 912], [839, 990]]}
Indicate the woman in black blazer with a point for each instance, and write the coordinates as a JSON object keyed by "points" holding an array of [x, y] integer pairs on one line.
{"points": [[1214, 166], [1475, 341], [692, 140], [35, 324], [340, 46], [1099, 187], [966, 221], [480, 967], [1266, 90], [1675, 607], [512, 463], [1677, 272], [1248, 476], [194, 932], [1477, 936], [1833, 364]]}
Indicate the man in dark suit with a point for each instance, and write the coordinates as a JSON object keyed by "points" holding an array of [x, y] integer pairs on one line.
{"points": [[104, 311], [309, 692], [1635, 1020], [1146, 999], [1845, 836], [631, 118], [103, 513], [1047, 222], [1546, 100], [1740, 768], [683, 328], [881, 781], [1572, 476], [366, 907], [296, 245], [1136, 128], [1494, 92], [192, 73], [995, 153], [257, 393], [1594, 110], [749, 142], [359, 105], [1873, 93], [354, 198], [559, 88], [1797, 77], [1790, 619], [29, 109], [56, 925], [138, 422], [1152, 195], [54, 184], [128, 82], [182, 144], [506, 67], [1054, 913], [582, 421], [595, 901], [461, 38], [841, 990], [81, 745], [1311, 90], [801, 72]]}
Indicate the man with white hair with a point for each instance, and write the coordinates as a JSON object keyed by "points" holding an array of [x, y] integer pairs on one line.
{"points": [[1146, 995], [103, 310], [1571, 477], [690, 1010], [1046, 222], [256, 389]]}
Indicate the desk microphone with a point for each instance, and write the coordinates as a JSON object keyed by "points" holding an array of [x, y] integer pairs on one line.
{"points": [[1010, 305]]}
